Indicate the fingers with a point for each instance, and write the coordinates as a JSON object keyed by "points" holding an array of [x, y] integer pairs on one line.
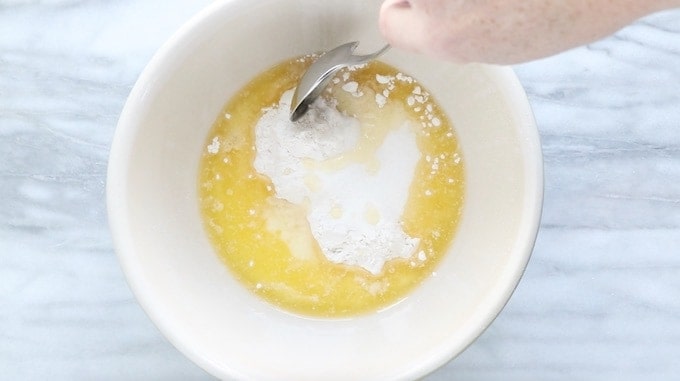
{"points": [[397, 3], [401, 25]]}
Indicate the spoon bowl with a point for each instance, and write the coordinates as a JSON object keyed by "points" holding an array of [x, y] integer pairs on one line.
{"points": [[321, 72]]}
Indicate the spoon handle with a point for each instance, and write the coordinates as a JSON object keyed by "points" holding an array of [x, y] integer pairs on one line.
{"points": [[372, 56]]}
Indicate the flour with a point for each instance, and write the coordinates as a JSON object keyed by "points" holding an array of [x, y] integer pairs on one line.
{"points": [[353, 211]]}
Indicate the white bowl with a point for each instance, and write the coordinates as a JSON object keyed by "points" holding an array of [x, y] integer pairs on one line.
{"points": [[189, 293]]}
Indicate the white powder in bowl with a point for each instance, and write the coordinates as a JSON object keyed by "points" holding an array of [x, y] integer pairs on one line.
{"points": [[354, 212]]}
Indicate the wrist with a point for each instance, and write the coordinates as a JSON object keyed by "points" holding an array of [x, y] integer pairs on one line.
{"points": [[651, 6]]}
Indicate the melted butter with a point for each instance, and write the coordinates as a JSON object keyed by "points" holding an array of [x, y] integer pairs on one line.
{"points": [[267, 243]]}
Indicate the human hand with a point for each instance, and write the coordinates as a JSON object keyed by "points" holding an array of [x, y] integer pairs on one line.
{"points": [[505, 31]]}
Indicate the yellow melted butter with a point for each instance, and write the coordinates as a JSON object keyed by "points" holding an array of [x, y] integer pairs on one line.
{"points": [[266, 242]]}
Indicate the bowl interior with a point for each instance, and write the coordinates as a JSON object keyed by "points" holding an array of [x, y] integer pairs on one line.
{"points": [[189, 293]]}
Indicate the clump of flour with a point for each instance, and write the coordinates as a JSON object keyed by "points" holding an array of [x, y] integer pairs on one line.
{"points": [[353, 212]]}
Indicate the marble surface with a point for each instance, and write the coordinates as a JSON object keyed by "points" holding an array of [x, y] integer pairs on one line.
{"points": [[600, 299]]}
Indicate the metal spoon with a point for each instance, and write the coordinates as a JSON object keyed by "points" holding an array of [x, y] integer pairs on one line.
{"points": [[320, 73]]}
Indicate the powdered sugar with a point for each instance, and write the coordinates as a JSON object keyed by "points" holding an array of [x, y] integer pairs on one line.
{"points": [[214, 146], [354, 213]]}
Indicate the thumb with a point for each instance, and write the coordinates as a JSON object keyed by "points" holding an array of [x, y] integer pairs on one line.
{"points": [[402, 25]]}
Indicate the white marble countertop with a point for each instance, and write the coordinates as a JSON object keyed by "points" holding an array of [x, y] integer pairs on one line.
{"points": [[600, 299]]}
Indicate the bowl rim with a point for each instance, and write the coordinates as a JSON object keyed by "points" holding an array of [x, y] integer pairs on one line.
{"points": [[512, 89]]}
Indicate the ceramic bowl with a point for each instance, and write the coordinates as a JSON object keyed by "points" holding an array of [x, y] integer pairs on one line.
{"points": [[190, 294]]}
